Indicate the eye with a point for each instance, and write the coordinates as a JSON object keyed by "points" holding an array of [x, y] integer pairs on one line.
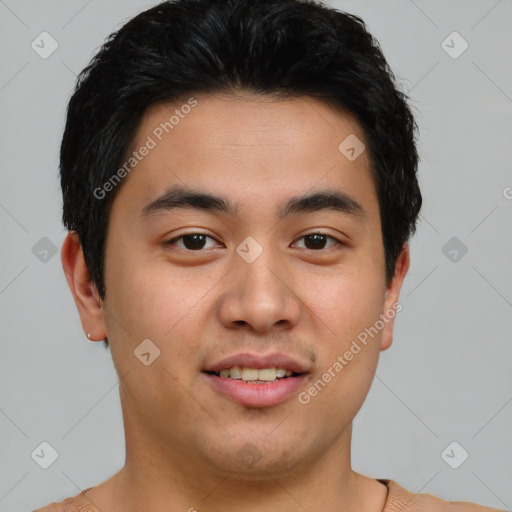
{"points": [[318, 241], [193, 242]]}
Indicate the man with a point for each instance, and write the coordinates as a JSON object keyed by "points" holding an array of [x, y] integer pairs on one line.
{"points": [[239, 183]]}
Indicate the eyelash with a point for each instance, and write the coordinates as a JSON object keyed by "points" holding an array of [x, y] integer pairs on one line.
{"points": [[337, 242]]}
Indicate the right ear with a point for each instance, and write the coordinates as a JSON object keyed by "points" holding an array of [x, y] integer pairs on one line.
{"points": [[82, 287]]}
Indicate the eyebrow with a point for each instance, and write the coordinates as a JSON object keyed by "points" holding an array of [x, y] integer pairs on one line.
{"points": [[179, 197]]}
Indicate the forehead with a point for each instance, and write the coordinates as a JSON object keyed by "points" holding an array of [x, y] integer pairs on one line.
{"points": [[238, 121], [255, 149]]}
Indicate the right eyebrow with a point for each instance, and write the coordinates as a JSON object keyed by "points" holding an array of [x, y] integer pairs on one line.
{"points": [[181, 197]]}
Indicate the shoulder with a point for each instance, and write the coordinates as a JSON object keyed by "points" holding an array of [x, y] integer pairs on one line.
{"points": [[78, 503], [52, 507], [399, 500]]}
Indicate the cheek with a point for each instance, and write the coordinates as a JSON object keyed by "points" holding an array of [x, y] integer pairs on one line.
{"points": [[149, 301], [347, 360], [346, 304], [348, 308], [166, 308]]}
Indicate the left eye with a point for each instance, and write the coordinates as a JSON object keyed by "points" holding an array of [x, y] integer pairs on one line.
{"points": [[192, 242], [316, 241]]}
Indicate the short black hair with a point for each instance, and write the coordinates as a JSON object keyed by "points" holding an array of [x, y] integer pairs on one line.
{"points": [[282, 48]]}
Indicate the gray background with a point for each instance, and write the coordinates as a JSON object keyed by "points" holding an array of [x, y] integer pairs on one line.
{"points": [[448, 375]]}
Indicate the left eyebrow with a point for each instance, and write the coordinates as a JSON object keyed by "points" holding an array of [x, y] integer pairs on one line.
{"points": [[324, 200], [182, 197]]}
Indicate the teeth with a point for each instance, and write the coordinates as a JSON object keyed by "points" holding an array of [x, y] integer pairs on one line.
{"points": [[250, 374], [255, 374], [267, 374], [235, 372]]}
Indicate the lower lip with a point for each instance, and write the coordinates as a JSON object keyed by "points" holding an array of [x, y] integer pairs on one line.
{"points": [[256, 395]]}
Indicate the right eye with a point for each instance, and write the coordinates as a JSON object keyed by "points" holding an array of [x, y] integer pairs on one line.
{"points": [[192, 242]]}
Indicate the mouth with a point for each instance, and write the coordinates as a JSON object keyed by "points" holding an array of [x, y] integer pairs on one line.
{"points": [[254, 375], [255, 381]]}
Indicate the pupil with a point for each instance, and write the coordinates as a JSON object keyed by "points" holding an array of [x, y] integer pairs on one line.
{"points": [[318, 241], [194, 241]]}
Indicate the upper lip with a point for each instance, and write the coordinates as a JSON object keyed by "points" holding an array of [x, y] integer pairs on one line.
{"points": [[259, 361]]}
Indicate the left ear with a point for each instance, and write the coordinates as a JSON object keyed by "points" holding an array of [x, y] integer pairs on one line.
{"points": [[392, 295]]}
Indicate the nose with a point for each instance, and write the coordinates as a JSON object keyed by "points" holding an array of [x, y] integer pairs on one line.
{"points": [[260, 295]]}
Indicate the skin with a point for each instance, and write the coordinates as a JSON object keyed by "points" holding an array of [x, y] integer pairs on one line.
{"points": [[182, 436]]}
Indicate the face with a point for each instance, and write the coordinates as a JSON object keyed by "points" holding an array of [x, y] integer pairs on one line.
{"points": [[266, 253]]}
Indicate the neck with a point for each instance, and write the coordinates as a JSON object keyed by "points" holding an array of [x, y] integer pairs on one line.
{"points": [[173, 479]]}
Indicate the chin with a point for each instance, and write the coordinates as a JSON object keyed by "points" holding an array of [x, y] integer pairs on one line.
{"points": [[254, 459]]}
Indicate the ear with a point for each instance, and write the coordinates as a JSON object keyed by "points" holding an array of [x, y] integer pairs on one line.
{"points": [[84, 291], [391, 306]]}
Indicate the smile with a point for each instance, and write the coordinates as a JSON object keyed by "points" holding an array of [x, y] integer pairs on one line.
{"points": [[255, 375]]}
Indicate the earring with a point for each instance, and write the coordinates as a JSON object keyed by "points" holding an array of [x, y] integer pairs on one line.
{"points": [[89, 335]]}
